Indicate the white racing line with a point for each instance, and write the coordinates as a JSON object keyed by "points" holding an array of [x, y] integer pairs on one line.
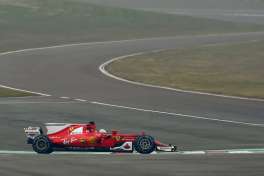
{"points": [[180, 115], [65, 98], [81, 100], [201, 152]]}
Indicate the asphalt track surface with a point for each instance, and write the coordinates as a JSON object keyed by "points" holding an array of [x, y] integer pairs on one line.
{"points": [[72, 71]]}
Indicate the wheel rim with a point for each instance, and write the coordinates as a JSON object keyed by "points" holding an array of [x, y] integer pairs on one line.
{"points": [[145, 144], [41, 144]]}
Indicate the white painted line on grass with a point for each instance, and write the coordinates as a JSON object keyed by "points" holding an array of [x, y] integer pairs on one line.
{"points": [[26, 91], [106, 42], [103, 66], [23, 98], [180, 115], [129, 40]]}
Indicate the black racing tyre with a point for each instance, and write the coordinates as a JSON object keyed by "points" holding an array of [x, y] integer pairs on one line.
{"points": [[42, 145], [144, 144]]}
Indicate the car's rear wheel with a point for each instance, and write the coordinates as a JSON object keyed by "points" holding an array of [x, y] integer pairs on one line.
{"points": [[42, 144], [144, 144]]}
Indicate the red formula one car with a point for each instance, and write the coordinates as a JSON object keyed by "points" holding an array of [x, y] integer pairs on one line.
{"points": [[85, 137]]}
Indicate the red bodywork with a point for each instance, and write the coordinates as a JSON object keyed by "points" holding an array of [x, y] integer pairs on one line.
{"points": [[86, 136]]}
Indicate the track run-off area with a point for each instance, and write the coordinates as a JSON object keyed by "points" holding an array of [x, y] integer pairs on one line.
{"points": [[206, 152]]}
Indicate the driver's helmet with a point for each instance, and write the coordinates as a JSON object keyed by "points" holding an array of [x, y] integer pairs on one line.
{"points": [[102, 131], [91, 127]]}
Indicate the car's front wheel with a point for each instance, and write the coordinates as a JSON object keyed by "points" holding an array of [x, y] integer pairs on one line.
{"points": [[144, 144], [42, 144]]}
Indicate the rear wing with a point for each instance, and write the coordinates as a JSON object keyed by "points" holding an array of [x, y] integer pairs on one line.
{"points": [[32, 132]]}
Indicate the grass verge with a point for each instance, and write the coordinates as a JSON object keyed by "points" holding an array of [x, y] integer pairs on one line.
{"points": [[12, 93], [36, 23], [231, 69]]}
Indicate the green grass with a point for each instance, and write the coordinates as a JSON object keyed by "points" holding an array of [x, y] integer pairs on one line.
{"points": [[187, 4], [233, 69], [35, 23], [12, 93]]}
